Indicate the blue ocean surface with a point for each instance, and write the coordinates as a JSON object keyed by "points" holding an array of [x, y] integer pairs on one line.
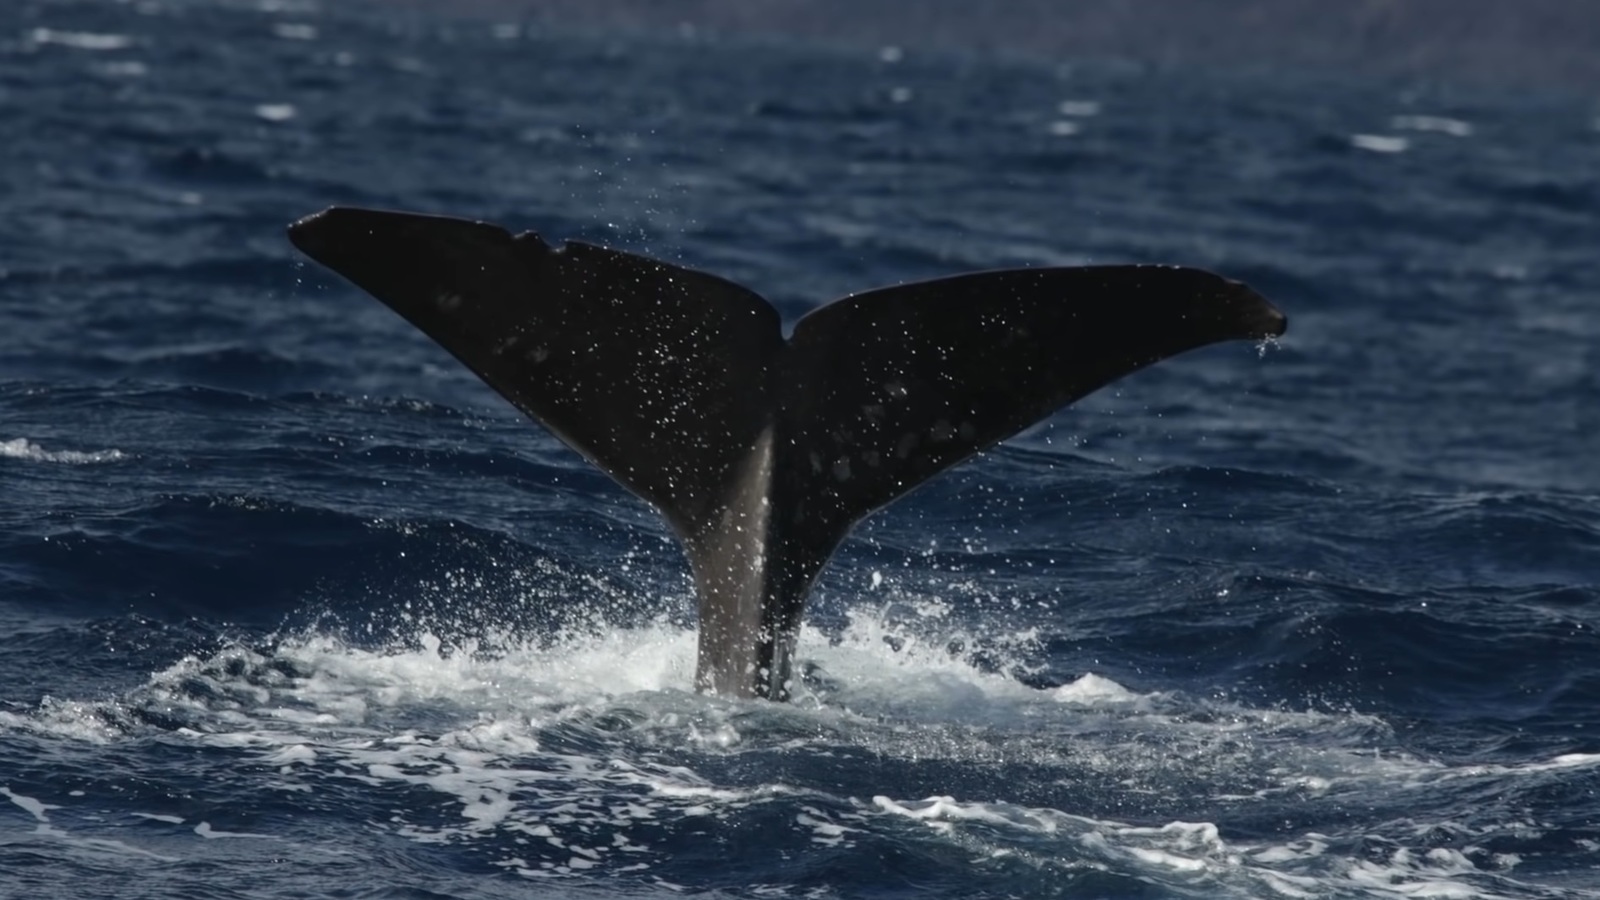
{"points": [[291, 605]]}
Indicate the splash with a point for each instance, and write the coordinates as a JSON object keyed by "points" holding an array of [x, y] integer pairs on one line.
{"points": [[589, 756], [22, 448]]}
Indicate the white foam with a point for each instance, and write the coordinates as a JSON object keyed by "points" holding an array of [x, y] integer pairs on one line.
{"points": [[45, 829], [80, 40], [1573, 760], [1380, 143], [550, 755], [1191, 855], [157, 817], [1093, 690], [941, 814], [205, 830], [29, 805], [825, 829], [276, 112], [22, 448]]}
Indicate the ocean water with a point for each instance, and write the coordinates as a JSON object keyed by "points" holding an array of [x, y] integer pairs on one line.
{"points": [[292, 606]]}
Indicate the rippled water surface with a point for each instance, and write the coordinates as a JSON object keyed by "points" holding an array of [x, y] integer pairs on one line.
{"points": [[291, 605]]}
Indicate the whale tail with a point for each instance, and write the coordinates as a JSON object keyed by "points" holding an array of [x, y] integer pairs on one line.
{"points": [[760, 452]]}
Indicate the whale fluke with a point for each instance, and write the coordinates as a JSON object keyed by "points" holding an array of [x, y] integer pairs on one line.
{"points": [[760, 452]]}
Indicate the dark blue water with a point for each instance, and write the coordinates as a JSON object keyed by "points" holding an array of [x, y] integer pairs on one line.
{"points": [[291, 605]]}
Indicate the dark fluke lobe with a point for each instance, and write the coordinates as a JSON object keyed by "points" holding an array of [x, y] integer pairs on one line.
{"points": [[762, 453]]}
